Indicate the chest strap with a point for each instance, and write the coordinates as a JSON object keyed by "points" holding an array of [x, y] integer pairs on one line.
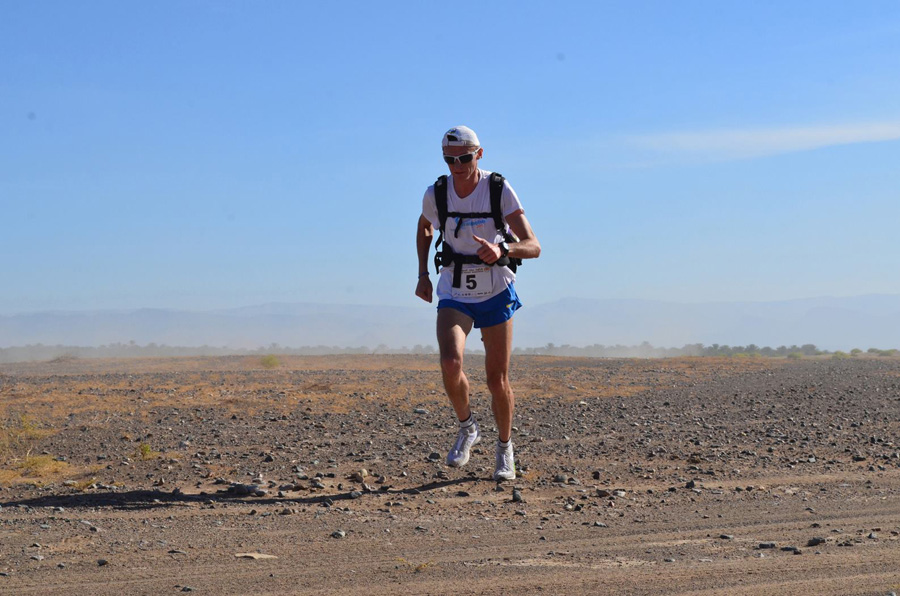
{"points": [[447, 257]]}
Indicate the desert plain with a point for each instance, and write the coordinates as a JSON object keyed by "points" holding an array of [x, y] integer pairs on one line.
{"points": [[325, 475]]}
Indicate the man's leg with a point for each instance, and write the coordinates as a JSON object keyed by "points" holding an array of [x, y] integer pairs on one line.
{"points": [[497, 350], [452, 329]]}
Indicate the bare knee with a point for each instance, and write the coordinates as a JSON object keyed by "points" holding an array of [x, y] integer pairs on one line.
{"points": [[498, 385], [451, 366]]}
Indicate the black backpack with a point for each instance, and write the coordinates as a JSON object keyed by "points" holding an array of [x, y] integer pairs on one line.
{"points": [[446, 256]]}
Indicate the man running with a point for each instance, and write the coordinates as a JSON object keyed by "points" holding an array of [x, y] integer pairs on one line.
{"points": [[480, 294]]}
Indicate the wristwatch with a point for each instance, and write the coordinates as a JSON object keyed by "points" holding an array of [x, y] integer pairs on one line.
{"points": [[504, 249]]}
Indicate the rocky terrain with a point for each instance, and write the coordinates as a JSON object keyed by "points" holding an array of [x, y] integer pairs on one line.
{"points": [[318, 475]]}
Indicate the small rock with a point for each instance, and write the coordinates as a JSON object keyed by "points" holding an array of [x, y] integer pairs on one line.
{"points": [[420, 411], [517, 496], [434, 456], [102, 562], [816, 541], [338, 534], [765, 545], [726, 537]]}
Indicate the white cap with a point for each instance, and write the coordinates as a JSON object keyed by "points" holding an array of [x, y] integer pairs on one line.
{"points": [[460, 136]]}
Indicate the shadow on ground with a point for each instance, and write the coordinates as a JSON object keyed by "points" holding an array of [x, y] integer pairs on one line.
{"points": [[150, 499]]}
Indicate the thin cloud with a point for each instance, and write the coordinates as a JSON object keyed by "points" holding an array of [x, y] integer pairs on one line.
{"points": [[744, 144]]}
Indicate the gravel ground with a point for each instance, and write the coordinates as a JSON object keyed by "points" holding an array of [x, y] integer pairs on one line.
{"points": [[326, 474]]}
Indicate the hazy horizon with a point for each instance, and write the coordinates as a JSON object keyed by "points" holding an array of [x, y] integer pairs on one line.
{"points": [[869, 321]]}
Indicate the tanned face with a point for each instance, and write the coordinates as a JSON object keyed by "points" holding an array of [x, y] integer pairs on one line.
{"points": [[463, 170]]}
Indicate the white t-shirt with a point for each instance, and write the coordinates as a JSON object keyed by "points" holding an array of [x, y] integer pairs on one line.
{"points": [[478, 282]]}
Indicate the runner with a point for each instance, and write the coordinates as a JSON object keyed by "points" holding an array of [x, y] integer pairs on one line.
{"points": [[480, 293]]}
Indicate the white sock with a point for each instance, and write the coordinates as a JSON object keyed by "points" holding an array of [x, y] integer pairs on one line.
{"points": [[468, 423], [505, 445]]}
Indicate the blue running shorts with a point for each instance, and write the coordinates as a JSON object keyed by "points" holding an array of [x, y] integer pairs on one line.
{"points": [[492, 311]]}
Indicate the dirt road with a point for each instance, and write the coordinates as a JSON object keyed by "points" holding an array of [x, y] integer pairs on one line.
{"points": [[326, 474]]}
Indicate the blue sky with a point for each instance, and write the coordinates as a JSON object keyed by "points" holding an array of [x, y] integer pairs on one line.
{"points": [[202, 155]]}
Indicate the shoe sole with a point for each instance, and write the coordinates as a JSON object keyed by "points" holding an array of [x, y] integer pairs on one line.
{"points": [[465, 461], [499, 477]]}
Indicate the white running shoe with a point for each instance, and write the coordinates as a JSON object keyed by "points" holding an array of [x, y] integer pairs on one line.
{"points": [[465, 440], [506, 463]]}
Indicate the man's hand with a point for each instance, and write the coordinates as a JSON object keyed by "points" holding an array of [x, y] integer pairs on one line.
{"points": [[423, 288], [487, 252]]}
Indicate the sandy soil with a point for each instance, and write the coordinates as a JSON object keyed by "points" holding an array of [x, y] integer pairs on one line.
{"points": [[685, 476]]}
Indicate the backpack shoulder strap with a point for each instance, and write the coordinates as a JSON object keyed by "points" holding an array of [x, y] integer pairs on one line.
{"points": [[496, 186], [440, 200]]}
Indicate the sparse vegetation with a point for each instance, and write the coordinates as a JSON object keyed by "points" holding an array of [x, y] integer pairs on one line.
{"points": [[412, 567], [885, 353], [41, 466], [270, 361], [17, 434], [83, 484], [145, 452]]}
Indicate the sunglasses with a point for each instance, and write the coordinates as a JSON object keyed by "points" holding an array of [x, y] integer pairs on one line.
{"points": [[465, 158]]}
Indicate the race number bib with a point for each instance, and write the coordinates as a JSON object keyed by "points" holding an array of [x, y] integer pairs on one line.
{"points": [[476, 281]]}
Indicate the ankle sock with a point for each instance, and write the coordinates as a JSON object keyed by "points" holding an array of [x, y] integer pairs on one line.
{"points": [[503, 445], [468, 422]]}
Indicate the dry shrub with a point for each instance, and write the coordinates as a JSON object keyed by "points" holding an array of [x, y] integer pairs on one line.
{"points": [[17, 434], [270, 361], [145, 452], [41, 466]]}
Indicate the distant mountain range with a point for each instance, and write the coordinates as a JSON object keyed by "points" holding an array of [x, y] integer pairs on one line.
{"points": [[829, 323]]}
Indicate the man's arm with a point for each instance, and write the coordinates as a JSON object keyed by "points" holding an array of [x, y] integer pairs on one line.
{"points": [[424, 235], [527, 247]]}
